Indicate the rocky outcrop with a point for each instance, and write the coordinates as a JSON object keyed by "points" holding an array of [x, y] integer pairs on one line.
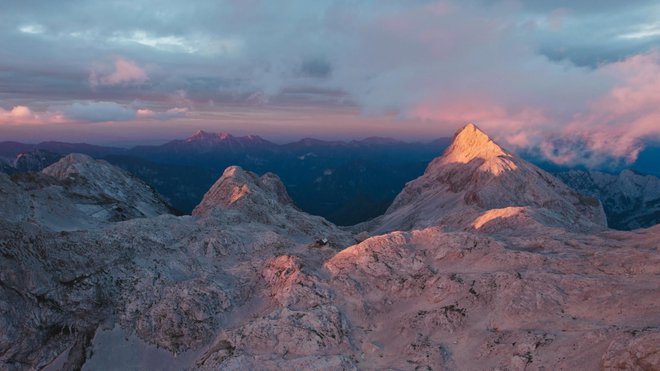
{"points": [[630, 200]]}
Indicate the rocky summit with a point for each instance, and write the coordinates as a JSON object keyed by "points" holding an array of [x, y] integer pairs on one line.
{"points": [[485, 262], [475, 182]]}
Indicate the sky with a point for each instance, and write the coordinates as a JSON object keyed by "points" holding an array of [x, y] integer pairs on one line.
{"points": [[578, 82]]}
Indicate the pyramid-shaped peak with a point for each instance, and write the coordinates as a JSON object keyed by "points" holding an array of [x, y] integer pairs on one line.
{"points": [[471, 130], [471, 143]]}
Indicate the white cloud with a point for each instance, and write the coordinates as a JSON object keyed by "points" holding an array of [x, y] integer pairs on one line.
{"points": [[643, 32], [33, 29], [194, 44]]}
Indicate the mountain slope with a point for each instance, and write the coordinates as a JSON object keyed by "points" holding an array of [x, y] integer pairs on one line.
{"points": [[475, 175], [630, 200]]}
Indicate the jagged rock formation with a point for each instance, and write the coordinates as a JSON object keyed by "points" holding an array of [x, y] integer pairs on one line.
{"points": [[77, 192], [246, 283], [630, 200], [475, 175]]}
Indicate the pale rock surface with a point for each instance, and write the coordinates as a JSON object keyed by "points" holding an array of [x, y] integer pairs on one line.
{"points": [[454, 300]]}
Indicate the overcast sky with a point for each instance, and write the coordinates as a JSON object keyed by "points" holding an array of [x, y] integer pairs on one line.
{"points": [[548, 74]]}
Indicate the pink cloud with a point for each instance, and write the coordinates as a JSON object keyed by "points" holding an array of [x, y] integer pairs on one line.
{"points": [[24, 115], [125, 72], [617, 123]]}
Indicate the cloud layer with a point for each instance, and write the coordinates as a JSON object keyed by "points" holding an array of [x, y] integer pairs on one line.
{"points": [[85, 112], [576, 81]]}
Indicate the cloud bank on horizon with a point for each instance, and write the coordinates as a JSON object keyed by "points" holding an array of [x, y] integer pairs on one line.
{"points": [[576, 81]]}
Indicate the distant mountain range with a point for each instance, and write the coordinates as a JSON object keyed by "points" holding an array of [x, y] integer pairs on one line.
{"points": [[346, 182]]}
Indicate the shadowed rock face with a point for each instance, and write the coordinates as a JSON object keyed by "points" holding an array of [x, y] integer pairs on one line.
{"points": [[249, 283], [35, 160], [630, 200]]}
